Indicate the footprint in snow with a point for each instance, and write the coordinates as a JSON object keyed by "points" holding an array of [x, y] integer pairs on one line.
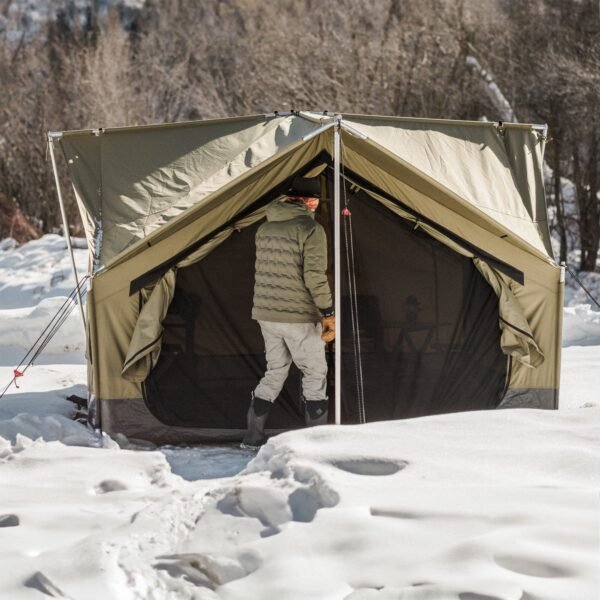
{"points": [[533, 568], [109, 485], [39, 581], [9, 521], [274, 506], [363, 466], [208, 570]]}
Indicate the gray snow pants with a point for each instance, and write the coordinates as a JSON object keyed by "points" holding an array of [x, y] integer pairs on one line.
{"points": [[298, 342]]}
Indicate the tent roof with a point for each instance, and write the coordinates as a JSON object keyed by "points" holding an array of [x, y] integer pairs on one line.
{"points": [[131, 181], [499, 170]]}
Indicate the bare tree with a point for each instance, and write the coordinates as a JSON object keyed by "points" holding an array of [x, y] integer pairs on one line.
{"points": [[554, 76], [178, 60]]}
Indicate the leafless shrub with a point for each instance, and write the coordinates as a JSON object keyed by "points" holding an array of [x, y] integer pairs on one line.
{"points": [[181, 60]]}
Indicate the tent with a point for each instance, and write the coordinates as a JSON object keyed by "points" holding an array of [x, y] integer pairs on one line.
{"points": [[446, 290]]}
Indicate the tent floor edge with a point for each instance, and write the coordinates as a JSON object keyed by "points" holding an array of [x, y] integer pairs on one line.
{"points": [[131, 418], [530, 398]]}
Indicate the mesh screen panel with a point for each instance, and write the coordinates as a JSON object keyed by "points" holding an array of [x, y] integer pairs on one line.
{"points": [[213, 352], [426, 321]]}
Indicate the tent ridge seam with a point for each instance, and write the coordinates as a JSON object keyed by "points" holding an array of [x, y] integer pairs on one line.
{"points": [[508, 269]]}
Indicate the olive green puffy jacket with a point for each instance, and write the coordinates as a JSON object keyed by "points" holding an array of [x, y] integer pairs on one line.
{"points": [[291, 263]]}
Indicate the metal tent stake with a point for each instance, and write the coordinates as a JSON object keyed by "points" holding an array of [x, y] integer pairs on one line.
{"points": [[337, 273], [51, 137]]}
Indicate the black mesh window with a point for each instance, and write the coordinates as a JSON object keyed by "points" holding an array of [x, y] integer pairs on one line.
{"points": [[213, 353], [425, 336], [426, 321]]}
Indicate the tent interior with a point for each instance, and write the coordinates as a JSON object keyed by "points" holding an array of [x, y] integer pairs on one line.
{"points": [[420, 329]]}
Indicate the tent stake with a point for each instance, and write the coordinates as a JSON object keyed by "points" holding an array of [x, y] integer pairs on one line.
{"points": [[51, 137], [337, 272]]}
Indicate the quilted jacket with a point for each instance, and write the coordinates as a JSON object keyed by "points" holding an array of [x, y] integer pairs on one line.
{"points": [[291, 266]]}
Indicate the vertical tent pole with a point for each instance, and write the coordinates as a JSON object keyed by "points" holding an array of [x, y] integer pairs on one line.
{"points": [[337, 272], [559, 332], [51, 137]]}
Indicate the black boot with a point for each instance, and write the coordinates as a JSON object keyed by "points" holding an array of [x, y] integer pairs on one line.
{"points": [[315, 412], [257, 417]]}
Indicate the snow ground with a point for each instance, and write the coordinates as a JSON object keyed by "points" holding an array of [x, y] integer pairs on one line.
{"points": [[497, 505]]}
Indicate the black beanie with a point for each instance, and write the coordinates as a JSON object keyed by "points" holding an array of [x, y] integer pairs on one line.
{"points": [[304, 187]]}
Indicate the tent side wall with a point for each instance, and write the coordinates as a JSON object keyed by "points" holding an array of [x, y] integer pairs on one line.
{"points": [[539, 388]]}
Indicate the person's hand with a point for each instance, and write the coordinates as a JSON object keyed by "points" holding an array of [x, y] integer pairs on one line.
{"points": [[328, 324]]}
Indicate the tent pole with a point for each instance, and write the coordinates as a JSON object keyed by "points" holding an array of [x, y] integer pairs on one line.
{"points": [[353, 131], [51, 137], [316, 132], [337, 272], [559, 332]]}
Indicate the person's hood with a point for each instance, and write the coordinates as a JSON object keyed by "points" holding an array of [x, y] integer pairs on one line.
{"points": [[280, 210]]}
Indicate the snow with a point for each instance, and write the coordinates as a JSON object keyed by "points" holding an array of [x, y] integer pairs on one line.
{"points": [[490, 505], [581, 326]]}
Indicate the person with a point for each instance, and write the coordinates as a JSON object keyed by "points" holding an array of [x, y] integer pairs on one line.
{"points": [[293, 306]]}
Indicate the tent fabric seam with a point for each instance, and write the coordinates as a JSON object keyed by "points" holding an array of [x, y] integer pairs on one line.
{"points": [[99, 131], [451, 235], [527, 220], [517, 329], [136, 283], [493, 124]]}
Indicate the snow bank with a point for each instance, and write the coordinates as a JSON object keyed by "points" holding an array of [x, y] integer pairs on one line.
{"points": [[38, 269], [43, 390], [20, 329], [61, 510], [49, 428], [35, 281], [581, 326], [580, 377], [498, 504]]}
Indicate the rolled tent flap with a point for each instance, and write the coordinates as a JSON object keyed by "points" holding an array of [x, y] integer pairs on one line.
{"points": [[517, 339], [144, 348]]}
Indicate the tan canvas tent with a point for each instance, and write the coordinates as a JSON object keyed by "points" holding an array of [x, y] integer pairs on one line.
{"points": [[447, 293]]}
